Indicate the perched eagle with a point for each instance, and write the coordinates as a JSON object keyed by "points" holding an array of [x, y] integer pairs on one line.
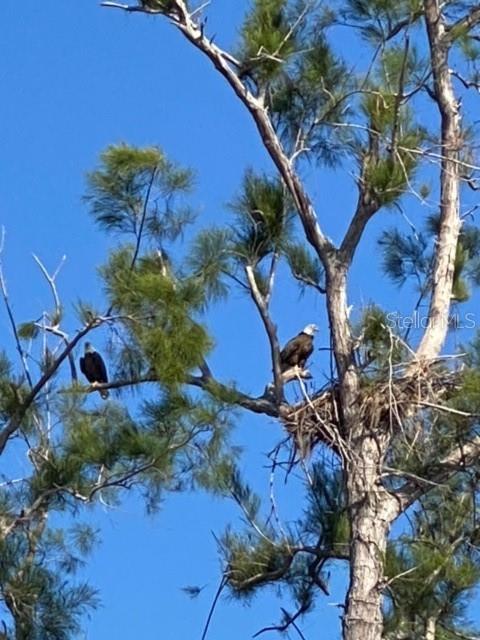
{"points": [[297, 351], [93, 368]]}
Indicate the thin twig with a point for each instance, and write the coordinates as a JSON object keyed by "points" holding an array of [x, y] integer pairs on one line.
{"points": [[223, 582], [13, 324], [14, 422], [51, 281], [143, 218]]}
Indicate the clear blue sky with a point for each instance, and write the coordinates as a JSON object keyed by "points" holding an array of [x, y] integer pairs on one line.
{"points": [[75, 78]]}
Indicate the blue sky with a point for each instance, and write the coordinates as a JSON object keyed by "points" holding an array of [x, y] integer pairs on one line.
{"points": [[74, 79]]}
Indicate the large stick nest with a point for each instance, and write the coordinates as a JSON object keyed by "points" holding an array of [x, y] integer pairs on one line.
{"points": [[382, 403]]}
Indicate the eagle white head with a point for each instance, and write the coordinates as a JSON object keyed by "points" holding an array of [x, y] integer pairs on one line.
{"points": [[310, 329], [88, 347]]}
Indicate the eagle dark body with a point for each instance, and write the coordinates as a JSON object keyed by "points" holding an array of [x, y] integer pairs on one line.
{"points": [[297, 350], [93, 368]]}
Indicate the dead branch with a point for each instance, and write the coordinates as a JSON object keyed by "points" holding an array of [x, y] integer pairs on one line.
{"points": [[11, 318], [14, 423], [463, 25], [130, 8], [443, 270], [218, 593], [222, 61], [271, 330], [143, 218], [55, 330]]}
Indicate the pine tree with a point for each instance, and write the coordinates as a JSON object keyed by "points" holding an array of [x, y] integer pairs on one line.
{"points": [[389, 415], [393, 434], [81, 452]]}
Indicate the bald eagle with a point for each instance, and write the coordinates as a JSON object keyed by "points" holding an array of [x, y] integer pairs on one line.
{"points": [[297, 350], [93, 368]]}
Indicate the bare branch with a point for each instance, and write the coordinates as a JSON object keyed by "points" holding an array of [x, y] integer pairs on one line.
{"points": [[13, 324], [367, 206], [260, 404], [468, 84], [51, 281], [58, 309], [462, 26], [271, 330], [130, 8], [209, 384], [271, 278], [309, 283], [221, 61], [221, 586], [289, 621], [142, 221], [15, 420], [398, 100], [443, 270]]}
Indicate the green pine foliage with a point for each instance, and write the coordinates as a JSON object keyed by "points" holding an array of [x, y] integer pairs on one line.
{"points": [[267, 40], [405, 256], [254, 561], [161, 314], [311, 94], [209, 260], [81, 451], [262, 230], [134, 191], [434, 568], [263, 218], [160, 282], [390, 163], [409, 256], [377, 18], [13, 391], [28, 330], [286, 57], [305, 267], [266, 554], [325, 519], [381, 347], [37, 579]]}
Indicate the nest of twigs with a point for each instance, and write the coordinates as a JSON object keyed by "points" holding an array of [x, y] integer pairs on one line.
{"points": [[382, 403]]}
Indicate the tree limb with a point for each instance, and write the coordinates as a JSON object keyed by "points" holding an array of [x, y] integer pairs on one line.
{"points": [[144, 216], [13, 424], [130, 8], [271, 330], [457, 460], [443, 270], [222, 61], [462, 26], [260, 404]]}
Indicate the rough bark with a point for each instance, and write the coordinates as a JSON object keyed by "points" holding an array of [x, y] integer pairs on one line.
{"points": [[430, 628], [371, 508], [451, 141], [371, 512]]}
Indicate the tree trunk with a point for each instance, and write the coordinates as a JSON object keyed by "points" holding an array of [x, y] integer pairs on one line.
{"points": [[371, 508], [430, 628], [371, 513]]}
